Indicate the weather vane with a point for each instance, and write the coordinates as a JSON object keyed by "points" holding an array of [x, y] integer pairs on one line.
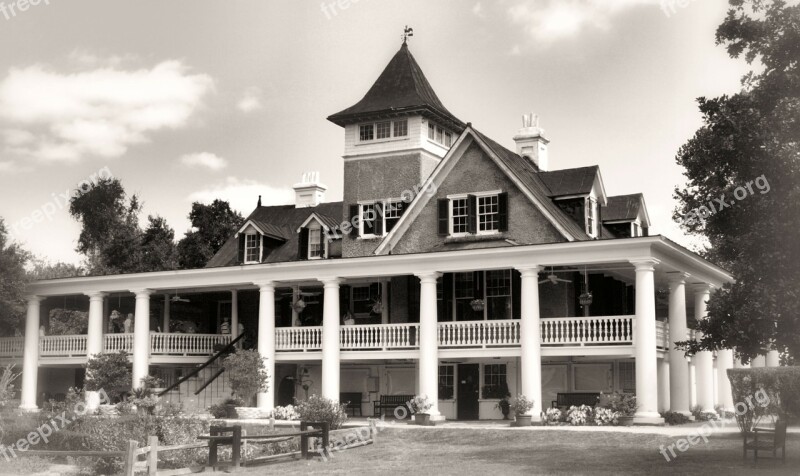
{"points": [[407, 32]]}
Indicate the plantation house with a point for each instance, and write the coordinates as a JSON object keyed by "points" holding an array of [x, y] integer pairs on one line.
{"points": [[454, 267]]}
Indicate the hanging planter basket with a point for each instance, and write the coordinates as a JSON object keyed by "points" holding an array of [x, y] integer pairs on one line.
{"points": [[298, 306], [477, 305], [585, 299]]}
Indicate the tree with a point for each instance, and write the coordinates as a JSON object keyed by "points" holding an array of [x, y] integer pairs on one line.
{"points": [[110, 373], [12, 284], [212, 226], [246, 374], [40, 268], [158, 249], [743, 190]]}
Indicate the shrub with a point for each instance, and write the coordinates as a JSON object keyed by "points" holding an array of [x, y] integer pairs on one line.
{"points": [[246, 373], [674, 418], [289, 412], [703, 415], [320, 409], [109, 372], [605, 416], [7, 379], [145, 397], [579, 416], [765, 391], [218, 410], [64, 322], [420, 404], [622, 403], [553, 415], [521, 405]]}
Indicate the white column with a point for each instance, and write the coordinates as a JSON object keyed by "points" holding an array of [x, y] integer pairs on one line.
{"points": [[94, 339], [530, 340], [167, 303], [704, 361], [663, 384], [235, 314], [645, 344], [141, 337], [330, 339], [692, 384], [773, 359], [724, 392], [758, 361], [30, 358], [384, 302], [266, 341], [295, 314], [679, 394], [429, 342]]}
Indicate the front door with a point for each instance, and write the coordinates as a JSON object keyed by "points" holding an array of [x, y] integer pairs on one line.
{"points": [[468, 391]]}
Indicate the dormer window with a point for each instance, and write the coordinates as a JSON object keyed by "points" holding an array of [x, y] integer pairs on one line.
{"points": [[382, 130], [590, 213], [313, 239], [252, 248]]}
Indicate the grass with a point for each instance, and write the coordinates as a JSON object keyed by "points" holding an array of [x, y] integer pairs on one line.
{"points": [[443, 451]]}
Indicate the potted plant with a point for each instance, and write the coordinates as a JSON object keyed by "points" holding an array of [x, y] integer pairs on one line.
{"points": [[504, 405], [231, 404], [624, 404], [521, 406], [553, 416], [420, 405], [247, 376], [477, 305]]}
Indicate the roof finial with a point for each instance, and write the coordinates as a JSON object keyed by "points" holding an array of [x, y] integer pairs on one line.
{"points": [[259, 200], [407, 33]]}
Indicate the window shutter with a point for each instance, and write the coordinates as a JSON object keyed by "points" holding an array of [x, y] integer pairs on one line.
{"points": [[242, 239], [354, 220], [378, 218], [344, 299], [447, 294], [472, 212], [477, 282], [516, 296], [322, 244], [302, 248], [444, 216], [502, 211], [645, 231], [263, 248]]}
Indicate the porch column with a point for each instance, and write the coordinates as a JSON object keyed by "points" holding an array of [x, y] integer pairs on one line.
{"points": [[266, 341], [645, 344], [94, 339], [295, 314], [738, 364], [167, 303], [235, 314], [530, 340], [704, 361], [758, 361], [384, 302], [429, 342], [141, 337], [773, 359], [330, 339], [679, 394], [663, 384], [30, 356], [724, 392]]}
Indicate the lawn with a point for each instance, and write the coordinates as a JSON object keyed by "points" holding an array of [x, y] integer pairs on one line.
{"points": [[443, 451]]}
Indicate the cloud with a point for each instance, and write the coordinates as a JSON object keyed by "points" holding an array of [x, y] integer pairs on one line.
{"points": [[204, 159], [12, 167], [251, 101], [17, 137], [99, 112], [545, 21], [243, 194], [477, 9]]}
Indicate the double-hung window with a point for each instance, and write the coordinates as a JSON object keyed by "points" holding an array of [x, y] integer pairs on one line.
{"points": [[591, 216], [498, 294], [460, 215], [369, 217], [495, 382], [488, 214], [392, 211], [252, 248], [315, 245]]}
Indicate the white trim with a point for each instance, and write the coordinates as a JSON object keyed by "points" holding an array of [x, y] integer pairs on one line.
{"points": [[313, 216], [259, 241], [246, 224]]}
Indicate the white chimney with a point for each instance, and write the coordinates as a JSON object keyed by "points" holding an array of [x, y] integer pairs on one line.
{"points": [[531, 142], [310, 192]]}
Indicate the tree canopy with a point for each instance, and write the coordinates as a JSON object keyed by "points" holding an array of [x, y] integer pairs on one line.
{"points": [[743, 185], [212, 226], [13, 283]]}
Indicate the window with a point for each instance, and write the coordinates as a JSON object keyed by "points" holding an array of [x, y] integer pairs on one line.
{"points": [[463, 295], [488, 213], [252, 248], [460, 214], [384, 130], [498, 294], [363, 299], [448, 139], [591, 216], [315, 245], [366, 132], [447, 380], [440, 135], [368, 217], [431, 131], [495, 384], [401, 128], [392, 211]]}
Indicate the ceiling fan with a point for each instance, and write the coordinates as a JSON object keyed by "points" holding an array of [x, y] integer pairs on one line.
{"points": [[552, 278], [177, 298]]}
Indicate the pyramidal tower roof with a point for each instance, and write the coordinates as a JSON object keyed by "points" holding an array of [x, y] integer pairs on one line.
{"points": [[401, 89]]}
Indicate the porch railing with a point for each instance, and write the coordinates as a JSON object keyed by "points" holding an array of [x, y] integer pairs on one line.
{"points": [[587, 330], [11, 346], [298, 338], [187, 344], [63, 346], [379, 336], [117, 342], [479, 333]]}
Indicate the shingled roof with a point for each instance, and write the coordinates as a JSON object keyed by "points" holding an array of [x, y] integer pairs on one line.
{"points": [[280, 222], [401, 88], [578, 181], [623, 207]]}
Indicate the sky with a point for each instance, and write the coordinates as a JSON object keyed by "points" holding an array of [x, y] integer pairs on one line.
{"points": [[191, 100]]}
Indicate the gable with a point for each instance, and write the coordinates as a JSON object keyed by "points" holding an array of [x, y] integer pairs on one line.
{"points": [[476, 172]]}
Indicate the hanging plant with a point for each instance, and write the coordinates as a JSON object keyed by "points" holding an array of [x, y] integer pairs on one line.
{"points": [[377, 307], [585, 299], [477, 305], [298, 306]]}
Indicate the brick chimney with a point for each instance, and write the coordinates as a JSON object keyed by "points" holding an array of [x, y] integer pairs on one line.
{"points": [[310, 192], [531, 142]]}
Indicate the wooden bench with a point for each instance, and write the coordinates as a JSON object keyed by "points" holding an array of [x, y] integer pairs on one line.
{"points": [[771, 440], [352, 402], [576, 399], [390, 402]]}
